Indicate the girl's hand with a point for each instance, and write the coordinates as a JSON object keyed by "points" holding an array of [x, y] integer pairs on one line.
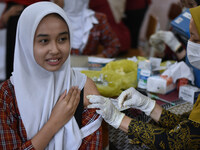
{"points": [[65, 107]]}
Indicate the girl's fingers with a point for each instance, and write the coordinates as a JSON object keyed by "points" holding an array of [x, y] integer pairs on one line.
{"points": [[75, 97], [69, 94], [62, 95]]}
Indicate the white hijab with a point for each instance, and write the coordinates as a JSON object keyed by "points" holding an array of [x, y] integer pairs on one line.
{"points": [[81, 19], [37, 90]]}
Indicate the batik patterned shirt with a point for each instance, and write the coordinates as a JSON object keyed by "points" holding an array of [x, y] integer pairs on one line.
{"points": [[173, 131]]}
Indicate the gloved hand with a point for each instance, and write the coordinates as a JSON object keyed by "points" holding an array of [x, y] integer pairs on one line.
{"points": [[167, 37], [157, 43], [132, 98], [108, 111]]}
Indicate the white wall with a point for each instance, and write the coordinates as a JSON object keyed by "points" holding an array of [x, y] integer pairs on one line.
{"points": [[2, 47]]}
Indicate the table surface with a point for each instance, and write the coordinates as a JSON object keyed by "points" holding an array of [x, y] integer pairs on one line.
{"points": [[79, 61], [82, 60]]}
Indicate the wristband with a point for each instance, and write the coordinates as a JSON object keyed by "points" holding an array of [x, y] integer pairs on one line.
{"points": [[180, 49]]}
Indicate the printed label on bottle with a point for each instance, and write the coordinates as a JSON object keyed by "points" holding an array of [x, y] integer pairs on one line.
{"points": [[144, 74]]}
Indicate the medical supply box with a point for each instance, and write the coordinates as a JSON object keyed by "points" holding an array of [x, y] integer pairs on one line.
{"points": [[161, 85], [189, 93], [181, 23]]}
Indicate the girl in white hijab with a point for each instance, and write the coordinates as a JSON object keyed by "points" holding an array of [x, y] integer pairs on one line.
{"points": [[47, 90]]}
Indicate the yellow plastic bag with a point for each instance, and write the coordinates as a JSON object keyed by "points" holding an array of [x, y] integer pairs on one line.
{"points": [[128, 71], [106, 87], [114, 77]]}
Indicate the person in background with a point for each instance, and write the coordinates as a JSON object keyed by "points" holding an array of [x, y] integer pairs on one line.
{"points": [[166, 43], [116, 23], [189, 3], [43, 105], [171, 131], [173, 43], [9, 21], [135, 11], [13, 11], [196, 71], [93, 35]]}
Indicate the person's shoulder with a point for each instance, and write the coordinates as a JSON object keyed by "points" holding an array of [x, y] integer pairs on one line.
{"points": [[8, 103], [90, 87], [6, 90], [100, 16], [5, 85]]}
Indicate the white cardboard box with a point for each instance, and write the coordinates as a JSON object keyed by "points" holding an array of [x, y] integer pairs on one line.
{"points": [[189, 93], [157, 84]]}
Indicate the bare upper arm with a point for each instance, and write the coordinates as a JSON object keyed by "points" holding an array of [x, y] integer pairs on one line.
{"points": [[89, 89]]}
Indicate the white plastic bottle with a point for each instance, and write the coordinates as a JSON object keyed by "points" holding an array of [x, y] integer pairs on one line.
{"points": [[144, 71]]}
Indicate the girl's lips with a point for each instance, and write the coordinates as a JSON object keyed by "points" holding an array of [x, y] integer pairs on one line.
{"points": [[53, 61]]}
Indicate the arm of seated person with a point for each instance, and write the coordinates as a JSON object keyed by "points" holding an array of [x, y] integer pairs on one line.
{"points": [[89, 116], [89, 89], [59, 3], [155, 115], [183, 134], [13, 11]]}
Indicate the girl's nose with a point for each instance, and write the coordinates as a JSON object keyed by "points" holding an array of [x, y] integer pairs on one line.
{"points": [[54, 48]]}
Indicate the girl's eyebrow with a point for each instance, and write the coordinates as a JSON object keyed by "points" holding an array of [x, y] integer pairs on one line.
{"points": [[45, 35], [66, 32], [42, 35]]}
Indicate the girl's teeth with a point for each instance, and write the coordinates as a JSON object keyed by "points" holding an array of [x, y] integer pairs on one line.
{"points": [[53, 60]]}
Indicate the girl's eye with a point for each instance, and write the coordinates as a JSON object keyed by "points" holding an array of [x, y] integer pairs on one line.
{"points": [[43, 41], [62, 39]]}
